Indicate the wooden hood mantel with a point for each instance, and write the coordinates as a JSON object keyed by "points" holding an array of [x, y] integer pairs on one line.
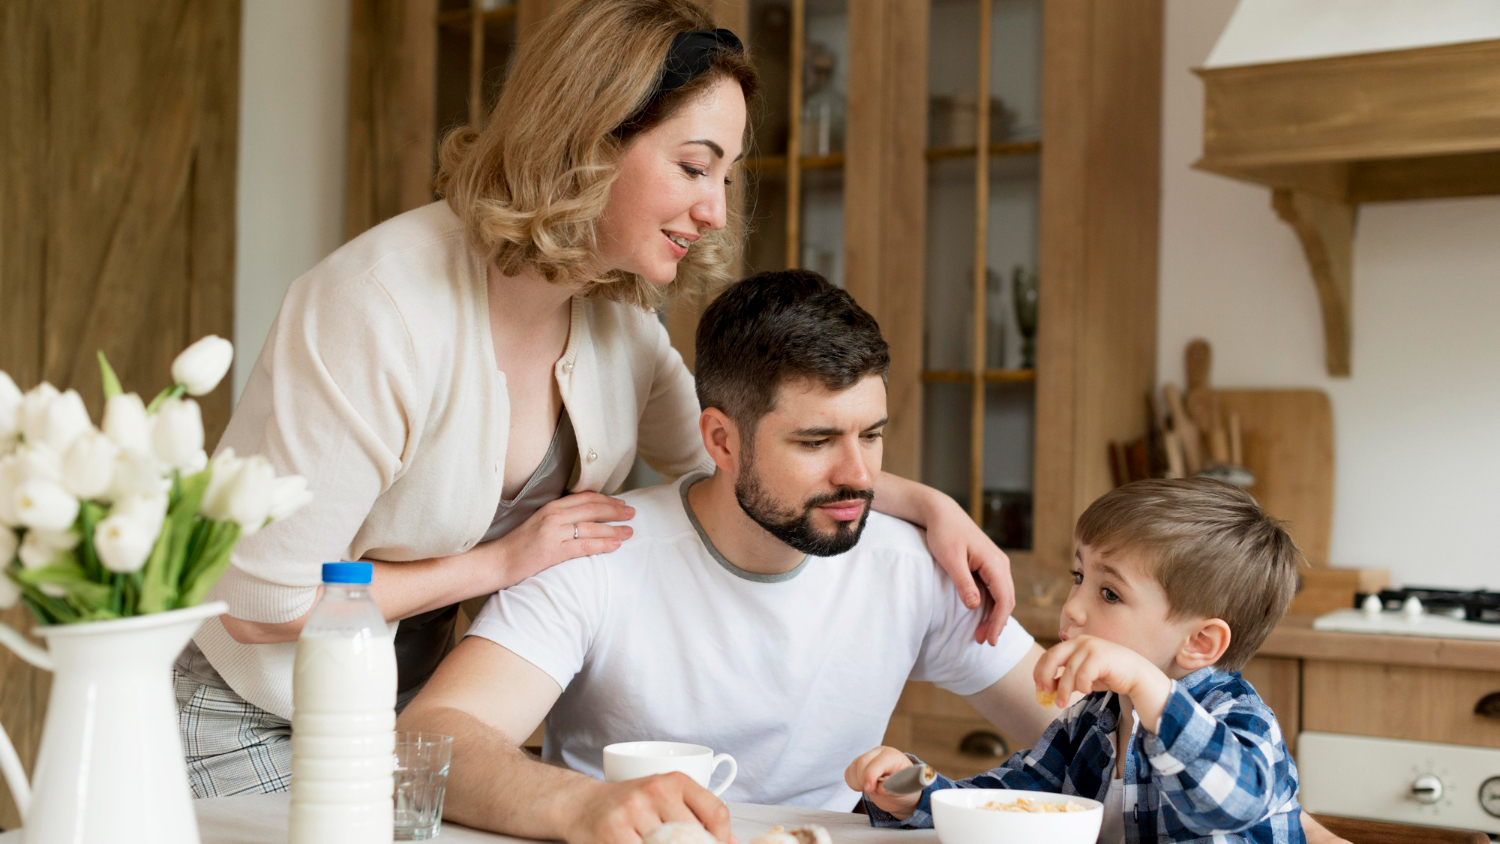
{"points": [[1327, 134]]}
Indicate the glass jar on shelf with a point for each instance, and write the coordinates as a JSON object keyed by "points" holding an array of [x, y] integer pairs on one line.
{"points": [[824, 108]]}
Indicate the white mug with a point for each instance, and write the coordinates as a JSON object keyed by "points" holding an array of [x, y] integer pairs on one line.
{"points": [[634, 759]]}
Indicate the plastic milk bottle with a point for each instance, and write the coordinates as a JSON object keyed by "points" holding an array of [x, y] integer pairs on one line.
{"points": [[344, 716]]}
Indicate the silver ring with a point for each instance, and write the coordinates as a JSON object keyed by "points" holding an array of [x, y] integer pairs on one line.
{"points": [[575, 530]]}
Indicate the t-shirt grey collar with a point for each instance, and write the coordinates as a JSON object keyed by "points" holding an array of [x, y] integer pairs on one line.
{"points": [[733, 569]]}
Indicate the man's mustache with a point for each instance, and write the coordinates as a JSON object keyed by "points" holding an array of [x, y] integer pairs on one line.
{"points": [[840, 496]]}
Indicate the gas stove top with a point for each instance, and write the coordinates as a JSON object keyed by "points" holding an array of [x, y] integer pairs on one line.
{"points": [[1415, 611]]}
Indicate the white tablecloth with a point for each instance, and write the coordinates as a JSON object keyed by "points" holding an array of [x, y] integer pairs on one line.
{"points": [[262, 818]]}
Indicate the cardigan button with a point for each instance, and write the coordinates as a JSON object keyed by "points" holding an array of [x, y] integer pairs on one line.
{"points": [[568, 367], [593, 455]]}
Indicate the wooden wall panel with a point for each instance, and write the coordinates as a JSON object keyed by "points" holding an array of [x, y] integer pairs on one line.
{"points": [[117, 183], [1101, 124], [885, 188], [392, 145]]}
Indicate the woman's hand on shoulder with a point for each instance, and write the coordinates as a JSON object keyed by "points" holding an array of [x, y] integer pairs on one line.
{"points": [[979, 569], [572, 526]]}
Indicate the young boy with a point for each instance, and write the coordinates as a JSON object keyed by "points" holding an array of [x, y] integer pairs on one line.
{"points": [[1175, 586]]}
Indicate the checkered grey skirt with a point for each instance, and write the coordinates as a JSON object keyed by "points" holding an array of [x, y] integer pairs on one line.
{"points": [[232, 746]]}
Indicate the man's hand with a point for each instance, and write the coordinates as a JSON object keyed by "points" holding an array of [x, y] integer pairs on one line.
{"points": [[624, 812], [868, 773], [1086, 664]]}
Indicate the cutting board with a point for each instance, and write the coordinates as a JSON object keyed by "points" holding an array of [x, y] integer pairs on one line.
{"points": [[1289, 448]]}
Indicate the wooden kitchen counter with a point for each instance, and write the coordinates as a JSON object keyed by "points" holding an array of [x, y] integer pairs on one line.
{"points": [[1295, 638]]}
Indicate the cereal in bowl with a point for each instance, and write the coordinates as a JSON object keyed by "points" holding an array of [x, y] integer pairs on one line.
{"points": [[1025, 804]]}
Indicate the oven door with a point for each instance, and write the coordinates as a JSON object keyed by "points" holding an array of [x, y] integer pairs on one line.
{"points": [[1400, 781]]}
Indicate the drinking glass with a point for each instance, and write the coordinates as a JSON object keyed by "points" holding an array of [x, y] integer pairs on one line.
{"points": [[421, 778]]}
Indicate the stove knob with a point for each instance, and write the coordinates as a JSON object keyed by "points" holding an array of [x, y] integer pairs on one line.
{"points": [[1489, 796], [1411, 607], [1427, 789]]}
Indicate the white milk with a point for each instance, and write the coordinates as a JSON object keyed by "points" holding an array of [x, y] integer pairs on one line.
{"points": [[343, 699]]}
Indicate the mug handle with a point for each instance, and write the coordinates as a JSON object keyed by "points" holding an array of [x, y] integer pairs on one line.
{"points": [[734, 769]]}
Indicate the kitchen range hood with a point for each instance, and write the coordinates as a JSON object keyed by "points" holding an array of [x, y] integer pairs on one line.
{"points": [[1332, 103]]}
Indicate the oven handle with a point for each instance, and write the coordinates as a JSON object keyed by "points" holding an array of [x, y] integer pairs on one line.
{"points": [[1488, 706]]}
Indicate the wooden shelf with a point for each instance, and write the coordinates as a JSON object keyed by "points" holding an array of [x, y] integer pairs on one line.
{"points": [[777, 163], [965, 376], [1011, 148], [1329, 133], [462, 19]]}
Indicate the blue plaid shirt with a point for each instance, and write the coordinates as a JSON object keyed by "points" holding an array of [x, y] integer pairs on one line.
{"points": [[1218, 769]]}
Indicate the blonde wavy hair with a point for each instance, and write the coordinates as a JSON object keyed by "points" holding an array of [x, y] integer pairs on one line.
{"points": [[531, 186]]}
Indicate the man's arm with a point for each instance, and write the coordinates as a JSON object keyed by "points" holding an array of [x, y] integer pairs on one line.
{"points": [[1010, 703], [489, 699]]}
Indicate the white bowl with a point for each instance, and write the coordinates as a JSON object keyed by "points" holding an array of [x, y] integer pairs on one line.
{"points": [[959, 818]]}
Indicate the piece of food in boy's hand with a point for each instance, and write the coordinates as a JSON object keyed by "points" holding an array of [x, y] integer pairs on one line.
{"points": [[1046, 698]]}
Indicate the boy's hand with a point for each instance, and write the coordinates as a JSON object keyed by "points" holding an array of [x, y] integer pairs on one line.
{"points": [[1087, 664], [868, 771]]}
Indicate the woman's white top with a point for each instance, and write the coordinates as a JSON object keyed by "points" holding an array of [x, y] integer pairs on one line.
{"points": [[378, 383]]}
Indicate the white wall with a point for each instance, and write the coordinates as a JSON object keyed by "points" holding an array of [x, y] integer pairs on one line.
{"points": [[1417, 426], [294, 71], [1282, 30]]}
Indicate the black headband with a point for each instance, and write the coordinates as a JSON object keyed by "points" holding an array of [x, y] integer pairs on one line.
{"points": [[691, 54]]}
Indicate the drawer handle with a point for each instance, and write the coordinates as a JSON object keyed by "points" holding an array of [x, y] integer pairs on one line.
{"points": [[984, 743], [1488, 706]]}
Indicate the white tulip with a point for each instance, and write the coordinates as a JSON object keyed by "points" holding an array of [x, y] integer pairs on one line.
{"points": [[149, 510], [89, 466], [10, 412], [10, 593], [29, 462], [8, 545], [178, 433], [32, 417], [42, 547], [44, 505], [288, 495], [67, 420], [247, 499], [126, 422], [12, 475], [137, 473], [215, 503], [202, 365], [124, 542]]}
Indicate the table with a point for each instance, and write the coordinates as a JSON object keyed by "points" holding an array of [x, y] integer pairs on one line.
{"points": [[262, 819]]}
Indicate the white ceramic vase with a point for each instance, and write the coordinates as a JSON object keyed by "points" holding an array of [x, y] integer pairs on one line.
{"points": [[110, 768]]}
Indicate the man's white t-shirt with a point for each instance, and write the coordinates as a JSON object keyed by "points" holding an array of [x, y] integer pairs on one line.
{"points": [[794, 675]]}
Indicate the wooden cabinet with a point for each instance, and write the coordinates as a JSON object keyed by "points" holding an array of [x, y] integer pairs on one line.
{"points": [[1399, 701]]}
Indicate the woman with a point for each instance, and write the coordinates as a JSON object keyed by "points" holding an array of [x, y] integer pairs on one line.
{"points": [[458, 383]]}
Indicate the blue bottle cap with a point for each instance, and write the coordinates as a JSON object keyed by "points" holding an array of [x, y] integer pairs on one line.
{"points": [[348, 572]]}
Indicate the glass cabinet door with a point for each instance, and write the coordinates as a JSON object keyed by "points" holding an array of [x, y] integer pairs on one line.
{"points": [[983, 154], [795, 201]]}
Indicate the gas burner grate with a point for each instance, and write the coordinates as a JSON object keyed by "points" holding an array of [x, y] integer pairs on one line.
{"points": [[1474, 605]]}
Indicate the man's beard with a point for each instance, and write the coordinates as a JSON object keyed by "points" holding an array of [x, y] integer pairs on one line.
{"points": [[796, 528]]}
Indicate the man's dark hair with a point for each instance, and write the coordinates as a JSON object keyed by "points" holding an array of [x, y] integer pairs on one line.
{"points": [[782, 326]]}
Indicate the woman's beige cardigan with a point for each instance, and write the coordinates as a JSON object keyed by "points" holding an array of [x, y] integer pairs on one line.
{"points": [[378, 383]]}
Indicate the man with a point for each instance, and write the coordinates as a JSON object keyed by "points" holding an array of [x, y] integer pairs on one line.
{"points": [[763, 611]]}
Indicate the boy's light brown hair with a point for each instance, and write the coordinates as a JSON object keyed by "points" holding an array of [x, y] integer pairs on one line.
{"points": [[1212, 548]]}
